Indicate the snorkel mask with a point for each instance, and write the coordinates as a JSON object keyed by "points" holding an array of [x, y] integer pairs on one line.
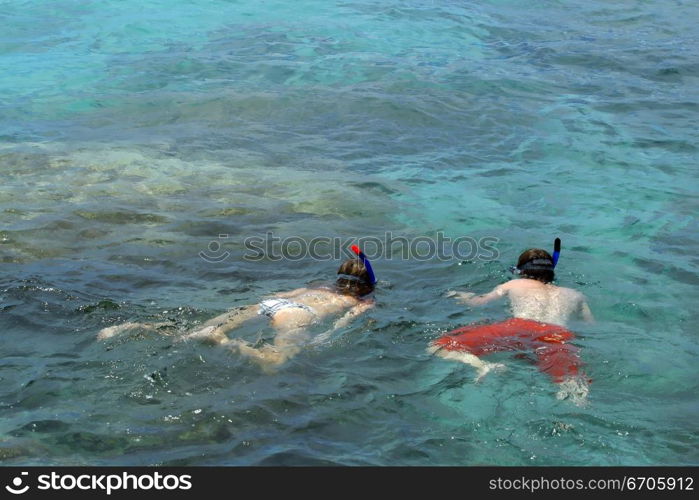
{"points": [[540, 264]]}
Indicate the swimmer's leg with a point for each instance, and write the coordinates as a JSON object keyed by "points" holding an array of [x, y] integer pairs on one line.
{"points": [[109, 332], [482, 367], [559, 361], [214, 330], [208, 335], [267, 357], [287, 344], [562, 363]]}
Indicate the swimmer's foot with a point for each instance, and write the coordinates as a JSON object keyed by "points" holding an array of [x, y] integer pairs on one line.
{"points": [[575, 389], [463, 297], [486, 368]]}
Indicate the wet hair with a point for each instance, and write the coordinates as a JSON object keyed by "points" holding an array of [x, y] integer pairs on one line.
{"points": [[353, 279], [536, 264]]}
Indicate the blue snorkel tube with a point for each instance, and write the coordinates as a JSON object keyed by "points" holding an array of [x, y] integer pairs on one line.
{"points": [[366, 263], [556, 251]]}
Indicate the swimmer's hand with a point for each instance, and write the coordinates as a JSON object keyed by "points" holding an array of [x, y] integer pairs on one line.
{"points": [[463, 297], [471, 299]]}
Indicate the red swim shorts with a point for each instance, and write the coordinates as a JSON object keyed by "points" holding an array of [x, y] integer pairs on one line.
{"points": [[549, 342]]}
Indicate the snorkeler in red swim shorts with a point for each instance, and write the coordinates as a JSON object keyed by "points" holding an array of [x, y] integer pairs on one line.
{"points": [[540, 311]]}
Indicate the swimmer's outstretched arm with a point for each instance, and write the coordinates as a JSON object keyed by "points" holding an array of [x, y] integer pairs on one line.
{"points": [[471, 299], [345, 320], [586, 313], [355, 311]]}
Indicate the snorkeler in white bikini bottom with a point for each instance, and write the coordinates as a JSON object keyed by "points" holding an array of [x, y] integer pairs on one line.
{"points": [[290, 314]]}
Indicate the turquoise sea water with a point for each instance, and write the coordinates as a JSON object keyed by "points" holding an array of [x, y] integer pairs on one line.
{"points": [[133, 134]]}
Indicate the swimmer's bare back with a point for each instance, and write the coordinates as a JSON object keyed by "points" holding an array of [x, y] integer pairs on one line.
{"points": [[532, 299], [547, 303], [325, 302]]}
